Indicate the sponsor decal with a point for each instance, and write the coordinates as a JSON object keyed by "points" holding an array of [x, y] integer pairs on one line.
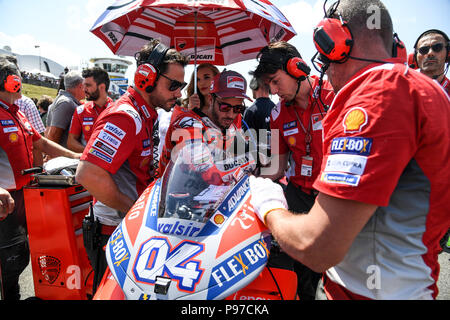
{"points": [[179, 228], [346, 163], [13, 137], [316, 120], [100, 155], [290, 132], [218, 218], [152, 213], [109, 139], [235, 198], [340, 178], [205, 48], [6, 123], [234, 162], [89, 119], [50, 268], [146, 153], [290, 125], [292, 141], [87, 128], [237, 267], [235, 82], [349, 145], [119, 254], [146, 143], [144, 109], [355, 120], [105, 148], [115, 130], [10, 129]]}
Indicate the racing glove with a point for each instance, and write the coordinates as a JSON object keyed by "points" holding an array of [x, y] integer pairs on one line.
{"points": [[266, 196]]}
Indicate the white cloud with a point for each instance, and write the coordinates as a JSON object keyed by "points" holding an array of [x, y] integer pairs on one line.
{"points": [[24, 44]]}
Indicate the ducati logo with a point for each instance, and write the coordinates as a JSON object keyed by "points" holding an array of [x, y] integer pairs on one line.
{"points": [[49, 267]]}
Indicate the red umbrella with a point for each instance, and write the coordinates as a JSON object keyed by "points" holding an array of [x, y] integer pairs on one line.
{"points": [[220, 32]]}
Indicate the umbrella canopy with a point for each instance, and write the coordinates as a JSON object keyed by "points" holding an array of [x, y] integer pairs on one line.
{"points": [[220, 32]]}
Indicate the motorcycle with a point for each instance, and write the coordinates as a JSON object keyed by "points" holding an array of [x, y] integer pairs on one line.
{"points": [[186, 238]]}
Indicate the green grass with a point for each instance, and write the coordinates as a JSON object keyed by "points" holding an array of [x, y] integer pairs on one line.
{"points": [[34, 91]]}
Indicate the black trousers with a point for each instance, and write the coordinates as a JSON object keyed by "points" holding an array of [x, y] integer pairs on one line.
{"points": [[97, 258], [301, 202], [14, 248], [13, 261]]}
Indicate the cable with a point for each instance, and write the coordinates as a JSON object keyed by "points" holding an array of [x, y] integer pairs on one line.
{"points": [[276, 283], [290, 103]]}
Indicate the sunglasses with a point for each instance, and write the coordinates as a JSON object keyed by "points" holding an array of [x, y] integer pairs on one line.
{"points": [[175, 84], [436, 48], [226, 107]]}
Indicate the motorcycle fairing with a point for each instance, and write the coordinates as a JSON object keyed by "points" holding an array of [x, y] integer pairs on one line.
{"points": [[229, 204], [183, 240]]}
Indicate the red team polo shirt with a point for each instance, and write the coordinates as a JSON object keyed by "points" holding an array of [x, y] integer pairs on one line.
{"points": [[387, 143], [291, 133], [121, 143], [83, 119], [16, 147]]}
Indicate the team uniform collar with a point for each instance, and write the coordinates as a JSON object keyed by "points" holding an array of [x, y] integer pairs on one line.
{"points": [[9, 107], [140, 104]]}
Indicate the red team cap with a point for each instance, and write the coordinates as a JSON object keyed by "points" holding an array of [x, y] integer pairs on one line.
{"points": [[230, 84]]}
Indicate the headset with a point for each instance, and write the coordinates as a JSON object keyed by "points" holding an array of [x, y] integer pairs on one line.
{"points": [[147, 73], [13, 83], [399, 49], [297, 68], [9, 79], [334, 40]]}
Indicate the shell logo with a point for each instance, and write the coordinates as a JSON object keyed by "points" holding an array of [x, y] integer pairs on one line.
{"points": [[87, 128], [219, 219], [13, 137], [355, 120], [292, 141]]}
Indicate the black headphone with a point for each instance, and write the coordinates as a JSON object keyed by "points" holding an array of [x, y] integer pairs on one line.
{"points": [[442, 33], [147, 73]]}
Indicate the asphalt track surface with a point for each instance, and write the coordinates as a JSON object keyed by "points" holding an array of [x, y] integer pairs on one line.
{"points": [[27, 287]]}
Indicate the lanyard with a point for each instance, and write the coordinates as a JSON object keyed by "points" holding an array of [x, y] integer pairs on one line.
{"points": [[308, 136]]}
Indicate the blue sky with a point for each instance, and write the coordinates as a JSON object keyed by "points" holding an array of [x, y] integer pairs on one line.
{"points": [[61, 28]]}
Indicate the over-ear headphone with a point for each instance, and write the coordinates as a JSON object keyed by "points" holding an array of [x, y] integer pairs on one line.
{"points": [[333, 39], [13, 83], [412, 61], [442, 33], [297, 68], [147, 72], [399, 49]]}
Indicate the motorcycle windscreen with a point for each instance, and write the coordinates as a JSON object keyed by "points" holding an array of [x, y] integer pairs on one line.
{"points": [[192, 185]]}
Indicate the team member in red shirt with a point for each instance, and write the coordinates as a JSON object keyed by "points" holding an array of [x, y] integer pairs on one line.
{"points": [[432, 54], [383, 203], [117, 163], [96, 84], [18, 139], [296, 125]]}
